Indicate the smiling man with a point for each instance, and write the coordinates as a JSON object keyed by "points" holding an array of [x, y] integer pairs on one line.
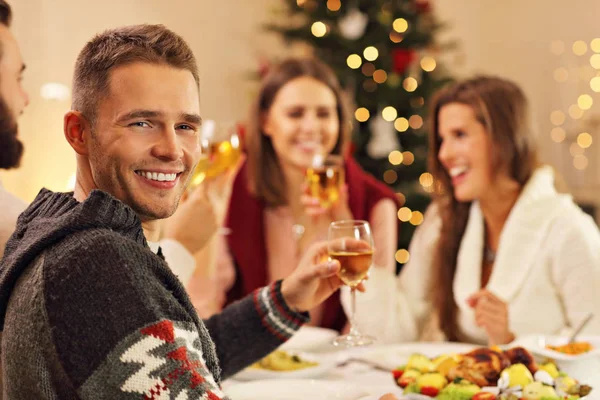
{"points": [[88, 310]]}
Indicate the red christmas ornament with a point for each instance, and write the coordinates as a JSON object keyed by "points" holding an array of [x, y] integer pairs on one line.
{"points": [[402, 59], [423, 6]]}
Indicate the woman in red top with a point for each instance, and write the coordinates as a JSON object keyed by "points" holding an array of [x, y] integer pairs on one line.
{"points": [[300, 112]]}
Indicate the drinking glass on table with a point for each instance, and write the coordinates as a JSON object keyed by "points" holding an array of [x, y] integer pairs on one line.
{"points": [[324, 179], [220, 151], [351, 243]]}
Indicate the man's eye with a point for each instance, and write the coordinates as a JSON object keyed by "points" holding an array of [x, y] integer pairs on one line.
{"points": [[140, 124], [186, 127]]}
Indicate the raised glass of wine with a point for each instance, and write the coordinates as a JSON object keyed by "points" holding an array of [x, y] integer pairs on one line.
{"points": [[324, 179], [220, 151], [351, 243]]}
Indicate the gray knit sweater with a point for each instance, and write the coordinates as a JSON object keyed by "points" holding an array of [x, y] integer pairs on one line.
{"points": [[89, 312]]}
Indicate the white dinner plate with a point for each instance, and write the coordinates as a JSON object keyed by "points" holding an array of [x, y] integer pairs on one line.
{"points": [[325, 364], [310, 338]]}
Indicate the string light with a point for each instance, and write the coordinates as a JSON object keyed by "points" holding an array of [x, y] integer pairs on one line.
{"points": [[561, 74], [415, 121], [417, 218], [319, 29], [580, 162], [368, 69], [389, 113], [409, 158], [410, 84], [426, 179], [575, 112], [400, 25], [557, 47], [585, 101], [428, 63], [595, 84], [595, 61], [300, 2], [558, 134], [393, 80], [401, 124], [579, 48], [334, 5], [402, 256], [404, 214], [576, 150], [354, 61], [401, 198], [396, 157], [584, 140], [371, 53], [380, 76], [395, 37], [595, 45], [390, 176], [362, 114], [557, 117]]}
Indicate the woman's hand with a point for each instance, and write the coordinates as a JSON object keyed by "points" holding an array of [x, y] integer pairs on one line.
{"points": [[337, 212], [491, 314]]}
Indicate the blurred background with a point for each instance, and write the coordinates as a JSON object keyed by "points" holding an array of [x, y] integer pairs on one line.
{"points": [[550, 47]]}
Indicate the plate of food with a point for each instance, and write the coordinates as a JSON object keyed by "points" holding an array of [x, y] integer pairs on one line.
{"points": [[580, 358], [283, 364], [486, 374]]}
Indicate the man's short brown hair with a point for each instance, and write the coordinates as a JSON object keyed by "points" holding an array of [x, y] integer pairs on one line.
{"points": [[154, 44], [5, 13]]}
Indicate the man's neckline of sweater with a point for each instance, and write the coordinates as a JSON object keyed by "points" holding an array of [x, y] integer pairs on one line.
{"points": [[99, 210], [51, 218]]}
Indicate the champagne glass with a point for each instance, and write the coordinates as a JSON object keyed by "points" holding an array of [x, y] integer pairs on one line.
{"points": [[220, 150], [351, 243], [325, 178]]}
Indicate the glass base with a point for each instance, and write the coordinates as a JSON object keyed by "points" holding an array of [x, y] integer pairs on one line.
{"points": [[353, 340]]}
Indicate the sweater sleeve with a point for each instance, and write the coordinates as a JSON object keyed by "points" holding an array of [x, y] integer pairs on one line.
{"points": [[396, 309], [251, 328], [118, 329]]}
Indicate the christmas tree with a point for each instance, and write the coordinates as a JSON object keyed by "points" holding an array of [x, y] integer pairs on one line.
{"points": [[385, 53]]}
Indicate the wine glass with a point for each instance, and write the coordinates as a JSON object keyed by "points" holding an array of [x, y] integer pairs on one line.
{"points": [[220, 150], [324, 179], [220, 147], [351, 243]]}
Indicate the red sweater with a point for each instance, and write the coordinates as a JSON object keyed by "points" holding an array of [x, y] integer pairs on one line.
{"points": [[247, 239]]}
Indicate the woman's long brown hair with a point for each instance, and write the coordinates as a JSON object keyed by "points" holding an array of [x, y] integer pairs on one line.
{"points": [[501, 107]]}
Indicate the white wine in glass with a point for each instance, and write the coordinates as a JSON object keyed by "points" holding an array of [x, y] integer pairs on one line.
{"points": [[325, 178], [351, 243], [220, 151]]}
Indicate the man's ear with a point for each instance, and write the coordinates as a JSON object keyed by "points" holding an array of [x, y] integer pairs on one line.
{"points": [[77, 132]]}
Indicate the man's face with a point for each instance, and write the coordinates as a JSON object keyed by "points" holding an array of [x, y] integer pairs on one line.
{"points": [[13, 99], [144, 141]]}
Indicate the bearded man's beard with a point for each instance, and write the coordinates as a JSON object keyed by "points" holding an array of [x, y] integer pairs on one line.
{"points": [[11, 148]]}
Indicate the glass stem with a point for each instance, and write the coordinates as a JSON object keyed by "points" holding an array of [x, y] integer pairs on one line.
{"points": [[353, 330]]}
